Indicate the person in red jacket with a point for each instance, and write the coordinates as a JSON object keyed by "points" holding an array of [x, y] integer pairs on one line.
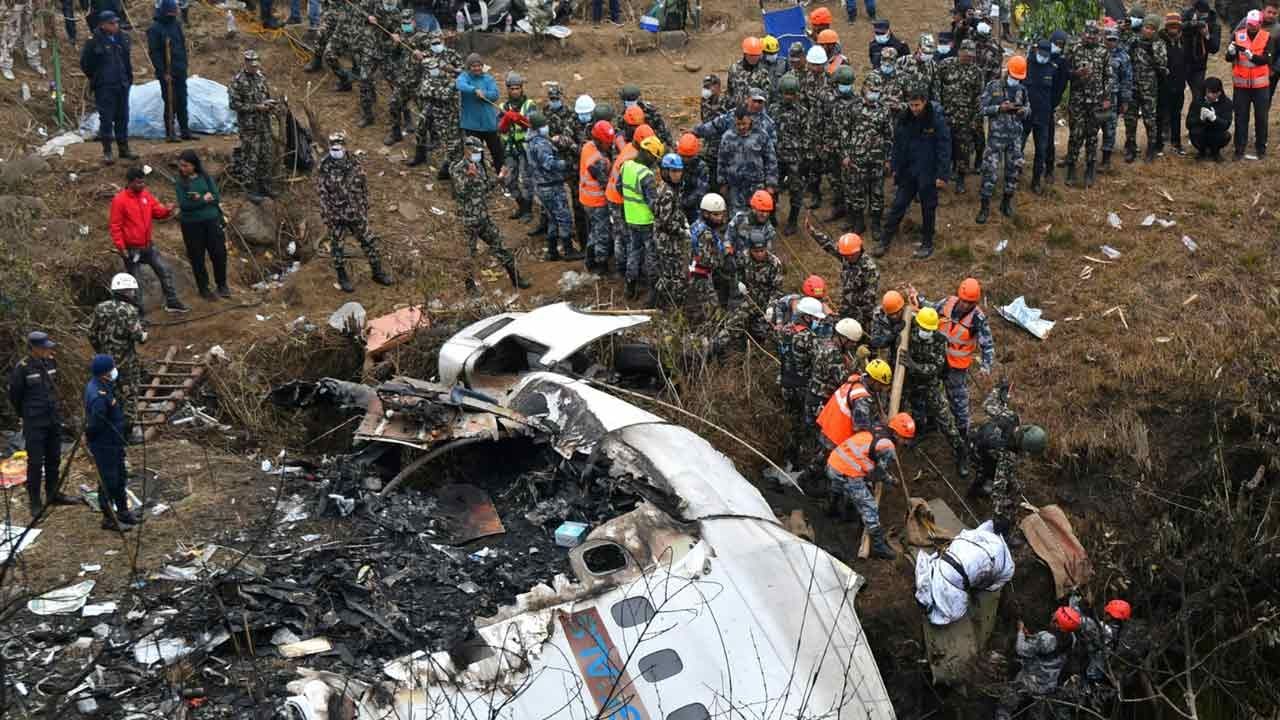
{"points": [[132, 210]]}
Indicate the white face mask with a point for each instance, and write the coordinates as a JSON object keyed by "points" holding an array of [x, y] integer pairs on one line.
{"points": [[337, 153], [845, 89], [584, 117], [1055, 49], [437, 47], [873, 97], [882, 39], [629, 103], [944, 49], [706, 93], [555, 104], [924, 334], [1135, 23], [1011, 81], [1042, 58], [544, 130], [115, 373], [434, 72], [390, 6], [477, 157], [887, 69]]}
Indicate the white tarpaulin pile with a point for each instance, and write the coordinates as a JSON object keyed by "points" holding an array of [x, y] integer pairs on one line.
{"points": [[208, 110], [940, 588], [1027, 318]]}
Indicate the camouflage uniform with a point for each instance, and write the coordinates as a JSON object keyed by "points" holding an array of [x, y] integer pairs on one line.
{"points": [[406, 72], [694, 184], [796, 346], [1150, 59], [669, 256], [884, 331], [865, 135], [763, 280], [996, 460], [340, 37], [743, 77], [1087, 95], [990, 56], [654, 119], [955, 380], [926, 360], [451, 58], [816, 93], [859, 282], [546, 170], [344, 205], [257, 151], [375, 53], [115, 329], [747, 163], [709, 109], [891, 88], [918, 73], [1042, 662], [793, 139], [438, 110], [702, 302], [565, 125], [1122, 71], [829, 372], [742, 229], [960, 85], [472, 185], [515, 161], [1004, 135]]}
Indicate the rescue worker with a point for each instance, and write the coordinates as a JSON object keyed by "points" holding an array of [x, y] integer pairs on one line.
{"points": [[627, 151], [513, 128], [546, 169], [820, 19], [842, 106], [994, 445], [864, 459], [33, 393], [1127, 643], [859, 276], [858, 404], [833, 361], [1042, 90], [630, 96], [593, 177], [830, 41], [115, 329], [250, 99], [1042, 657], [1150, 60], [748, 161], [748, 225], [1004, 104], [793, 133], [917, 69], [437, 127], [1250, 56], [776, 64], [892, 87], [882, 39], [472, 185], [695, 180], [374, 51], [967, 331], [712, 105], [104, 430], [887, 322], [343, 188], [946, 46], [405, 71], [105, 62], [759, 280], [781, 310], [707, 272], [925, 360], [668, 257], [1122, 70], [639, 191], [748, 72], [921, 166], [797, 343], [990, 54], [1092, 87], [959, 87]]}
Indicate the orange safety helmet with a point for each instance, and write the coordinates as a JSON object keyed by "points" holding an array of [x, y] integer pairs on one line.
{"points": [[642, 132], [849, 244], [970, 290], [821, 16], [688, 145], [827, 37], [903, 425], [602, 132], [1066, 619], [1118, 610], [892, 302], [1017, 67], [761, 200], [752, 46], [634, 115], [815, 287]]}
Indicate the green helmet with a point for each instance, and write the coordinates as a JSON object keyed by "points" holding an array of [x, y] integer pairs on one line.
{"points": [[789, 84], [1032, 439], [630, 92], [537, 119], [603, 111], [844, 75]]}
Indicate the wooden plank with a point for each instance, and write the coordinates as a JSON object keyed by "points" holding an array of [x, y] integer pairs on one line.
{"points": [[170, 374], [196, 377]]}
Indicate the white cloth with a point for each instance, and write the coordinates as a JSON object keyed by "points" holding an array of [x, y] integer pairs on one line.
{"points": [[940, 588]]}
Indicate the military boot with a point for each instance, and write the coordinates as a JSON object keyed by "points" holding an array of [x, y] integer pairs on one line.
{"points": [[1106, 159], [962, 459], [875, 225], [1090, 173], [1006, 205], [344, 280], [443, 173], [393, 136], [1071, 174], [419, 156], [984, 212], [523, 208], [651, 300], [344, 81], [1049, 179], [1035, 183], [790, 228], [959, 183], [879, 547], [857, 223], [630, 292], [380, 276], [517, 282], [107, 157], [541, 229], [1130, 151], [366, 118], [1152, 149], [470, 285], [124, 152], [552, 251], [882, 247], [316, 64], [925, 251], [567, 250]]}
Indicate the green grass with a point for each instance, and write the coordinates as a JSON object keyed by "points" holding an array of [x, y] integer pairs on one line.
{"points": [[1060, 236], [959, 253]]}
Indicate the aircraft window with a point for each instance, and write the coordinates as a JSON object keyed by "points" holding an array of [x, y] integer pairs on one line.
{"points": [[696, 711], [493, 327], [632, 611], [660, 665], [604, 559]]}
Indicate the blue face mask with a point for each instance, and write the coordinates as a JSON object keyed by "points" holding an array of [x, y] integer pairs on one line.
{"points": [[845, 89], [629, 103], [873, 97], [584, 117], [406, 28], [555, 104], [1055, 49], [1011, 81], [1041, 58], [544, 130], [1135, 23], [944, 49], [882, 39], [887, 69]]}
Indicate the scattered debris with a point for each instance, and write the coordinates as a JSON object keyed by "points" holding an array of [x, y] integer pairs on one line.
{"points": [[1027, 318], [349, 318], [62, 601], [14, 539], [1114, 220], [1189, 243], [305, 647], [571, 280], [1110, 252], [58, 144], [1050, 535], [1151, 219]]}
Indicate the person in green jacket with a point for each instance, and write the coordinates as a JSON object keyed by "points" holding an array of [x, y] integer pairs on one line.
{"points": [[201, 220]]}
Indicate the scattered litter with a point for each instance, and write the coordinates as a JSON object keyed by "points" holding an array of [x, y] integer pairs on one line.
{"points": [[482, 554], [311, 538], [293, 510], [1151, 219], [1086, 272], [96, 609], [1114, 220], [101, 631], [62, 601], [571, 534], [11, 535], [149, 652], [1000, 246], [58, 145], [436, 211], [284, 636], [306, 647], [90, 567], [1191, 299], [1110, 252], [345, 505], [1117, 309], [87, 707], [572, 280], [1164, 339], [175, 573], [1028, 318], [1189, 243], [159, 508], [1165, 194], [218, 353], [469, 588], [350, 316]]}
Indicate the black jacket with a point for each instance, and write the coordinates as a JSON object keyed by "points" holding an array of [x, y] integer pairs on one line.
{"points": [[922, 145], [1177, 63], [33, 392], [167, 28], [876, 48], [105, 60], [1197, 47], [1222, 108]]}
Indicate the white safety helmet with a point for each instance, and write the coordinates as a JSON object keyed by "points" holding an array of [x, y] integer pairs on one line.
{"points": [[584, 104], [811, 307], [712, 202], [817, 55], [123, 281], [849, 328]]}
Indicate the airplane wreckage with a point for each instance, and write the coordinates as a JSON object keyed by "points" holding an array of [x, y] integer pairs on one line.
{"points": [[677, 594]]}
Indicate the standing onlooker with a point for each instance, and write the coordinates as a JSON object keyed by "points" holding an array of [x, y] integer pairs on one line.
{"points": [[921, 167], [132, 210], [1201, 37], [105, 62], [18, 27], [167, 48], [597, 12], [1172, 91], [95, 9], [104, 429], [479, 118], [201, 219], [1250, 74], [313, 14], [34, 396], [251, 101], [424, 16]]}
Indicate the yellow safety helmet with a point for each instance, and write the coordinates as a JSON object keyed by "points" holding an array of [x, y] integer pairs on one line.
{"points": [[653, 146], [880, 371], [770, 44], [927, 318]]}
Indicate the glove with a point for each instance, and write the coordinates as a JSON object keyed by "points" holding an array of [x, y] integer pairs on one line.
{"points": [[1206, 114], [742, 288], [144, 337], [863, 352], [768, 314]]}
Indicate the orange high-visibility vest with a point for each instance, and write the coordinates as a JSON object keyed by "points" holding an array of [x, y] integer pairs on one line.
{"points": [[834, 64], [590, 194], [853, 458], [1244, 72], [611, 192], [961, 341], [836, 418]]}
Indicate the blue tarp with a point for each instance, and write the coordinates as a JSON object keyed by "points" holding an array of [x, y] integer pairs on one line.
{"points": [[788, 26], [207, 109]]}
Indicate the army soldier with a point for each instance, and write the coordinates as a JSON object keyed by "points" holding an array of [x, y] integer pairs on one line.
{"points": [[251, 101], [472, 185], [344, 205]]}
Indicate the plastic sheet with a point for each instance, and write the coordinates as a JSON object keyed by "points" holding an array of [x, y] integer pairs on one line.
{"points": [[208, 109], [1027, 318], [788, 26]]}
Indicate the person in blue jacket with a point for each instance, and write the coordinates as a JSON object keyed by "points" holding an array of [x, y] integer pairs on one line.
{"points": [[167, 49], [479, 118], [105, 432], [921, 167]]}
